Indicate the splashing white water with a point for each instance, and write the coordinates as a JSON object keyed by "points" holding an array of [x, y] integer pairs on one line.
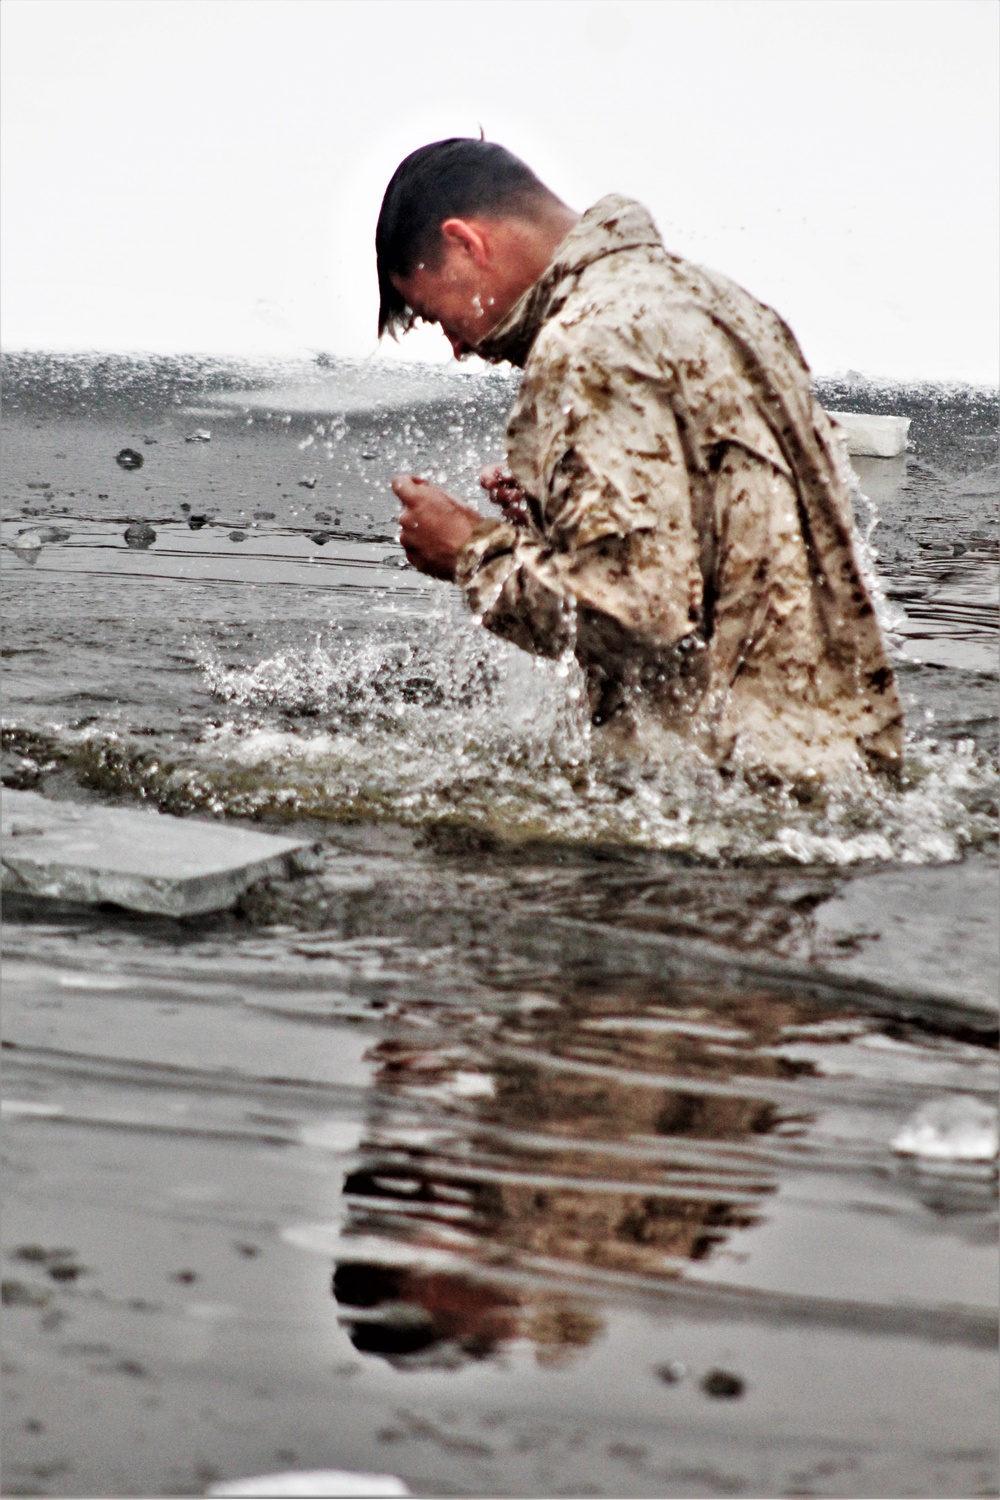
{"points": [[890, 616], [499, 742]]}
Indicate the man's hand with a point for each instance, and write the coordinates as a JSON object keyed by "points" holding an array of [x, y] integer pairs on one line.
{"points": [[503, 491], [433, 526]]}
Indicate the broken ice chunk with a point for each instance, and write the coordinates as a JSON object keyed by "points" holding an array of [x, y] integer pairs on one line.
{"points": [[959, 1128], [318, 1482], [201, 436], [141, 860], [140, 535], [871, 436], [27, 546]]}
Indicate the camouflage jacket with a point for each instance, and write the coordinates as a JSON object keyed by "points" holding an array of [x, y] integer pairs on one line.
{"points": [[690, 534]]}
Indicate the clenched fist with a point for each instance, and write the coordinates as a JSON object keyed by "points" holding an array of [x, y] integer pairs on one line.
{"points": [[503, 491], [433, 525]]}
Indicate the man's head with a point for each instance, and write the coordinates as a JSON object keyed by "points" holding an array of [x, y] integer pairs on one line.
{"points": [[465, 229]]}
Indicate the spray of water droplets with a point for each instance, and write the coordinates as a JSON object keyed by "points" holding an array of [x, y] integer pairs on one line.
{"points": [[461, 728]]}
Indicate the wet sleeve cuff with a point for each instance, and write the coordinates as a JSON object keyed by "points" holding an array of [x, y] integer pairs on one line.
{"points": [[488, 540]]}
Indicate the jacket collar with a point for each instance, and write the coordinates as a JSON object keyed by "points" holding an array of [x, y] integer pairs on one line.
{"points": [[612, 225]]}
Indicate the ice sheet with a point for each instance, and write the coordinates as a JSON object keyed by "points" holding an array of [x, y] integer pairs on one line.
{"points": [[144, 861]]}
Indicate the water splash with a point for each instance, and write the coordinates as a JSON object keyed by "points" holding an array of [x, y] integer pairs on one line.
{"points": [[867, 518], [498, 743]]}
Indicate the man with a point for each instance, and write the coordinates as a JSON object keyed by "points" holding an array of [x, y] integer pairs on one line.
{"points": [[676, 511]]}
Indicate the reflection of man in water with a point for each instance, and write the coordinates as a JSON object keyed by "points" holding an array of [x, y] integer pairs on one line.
{"points": [[675, 504], [613, 1139], [410, 1315]]}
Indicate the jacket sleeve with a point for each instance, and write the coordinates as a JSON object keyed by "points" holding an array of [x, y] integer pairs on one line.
{"points": [[595, 442]]}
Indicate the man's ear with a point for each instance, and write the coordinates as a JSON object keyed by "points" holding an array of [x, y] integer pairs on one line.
{"points": [[466, 237]]}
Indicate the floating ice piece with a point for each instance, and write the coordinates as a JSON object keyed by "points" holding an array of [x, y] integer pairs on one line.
{"points": [[47, 533], [870, 436], [308, 481], [959, 1128], [27, 545], [314, 1482], [140, 534], [142, 860], [129, 458], [201, 436]]}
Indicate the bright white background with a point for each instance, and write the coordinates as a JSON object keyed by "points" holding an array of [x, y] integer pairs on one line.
{"points": [[205, 175]]}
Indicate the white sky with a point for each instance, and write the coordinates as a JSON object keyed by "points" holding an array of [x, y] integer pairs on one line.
{"points": [[205, 175]]}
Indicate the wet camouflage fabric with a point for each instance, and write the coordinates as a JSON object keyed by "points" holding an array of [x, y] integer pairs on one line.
{"points": [[690, 532]]}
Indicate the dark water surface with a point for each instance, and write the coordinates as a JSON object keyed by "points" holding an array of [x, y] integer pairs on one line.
{"points": [[541, 1142]]}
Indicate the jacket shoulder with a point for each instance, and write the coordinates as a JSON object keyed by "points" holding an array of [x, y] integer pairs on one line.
{"points": [[608, 314]]}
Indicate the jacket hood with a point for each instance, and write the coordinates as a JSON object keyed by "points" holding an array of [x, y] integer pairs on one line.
{"points": [[612, 225]]}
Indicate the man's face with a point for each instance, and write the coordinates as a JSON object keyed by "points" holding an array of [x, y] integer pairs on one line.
{"points": [[473, 283], [485, 266], [455, 295]]}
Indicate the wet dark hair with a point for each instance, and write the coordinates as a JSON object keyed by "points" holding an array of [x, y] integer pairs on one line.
{"points": [[448, 179]]}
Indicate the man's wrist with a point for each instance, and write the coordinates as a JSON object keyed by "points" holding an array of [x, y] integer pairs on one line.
{"points": [[486, 540]]}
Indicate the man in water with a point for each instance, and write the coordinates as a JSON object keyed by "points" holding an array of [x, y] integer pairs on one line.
{"points": [[676, 509]]}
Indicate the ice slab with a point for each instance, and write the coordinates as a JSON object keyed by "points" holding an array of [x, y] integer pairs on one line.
{"points": [[870, 436], [383, 388], [933, 927], [959, 1128], [314, 1482], [143, 860]]}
